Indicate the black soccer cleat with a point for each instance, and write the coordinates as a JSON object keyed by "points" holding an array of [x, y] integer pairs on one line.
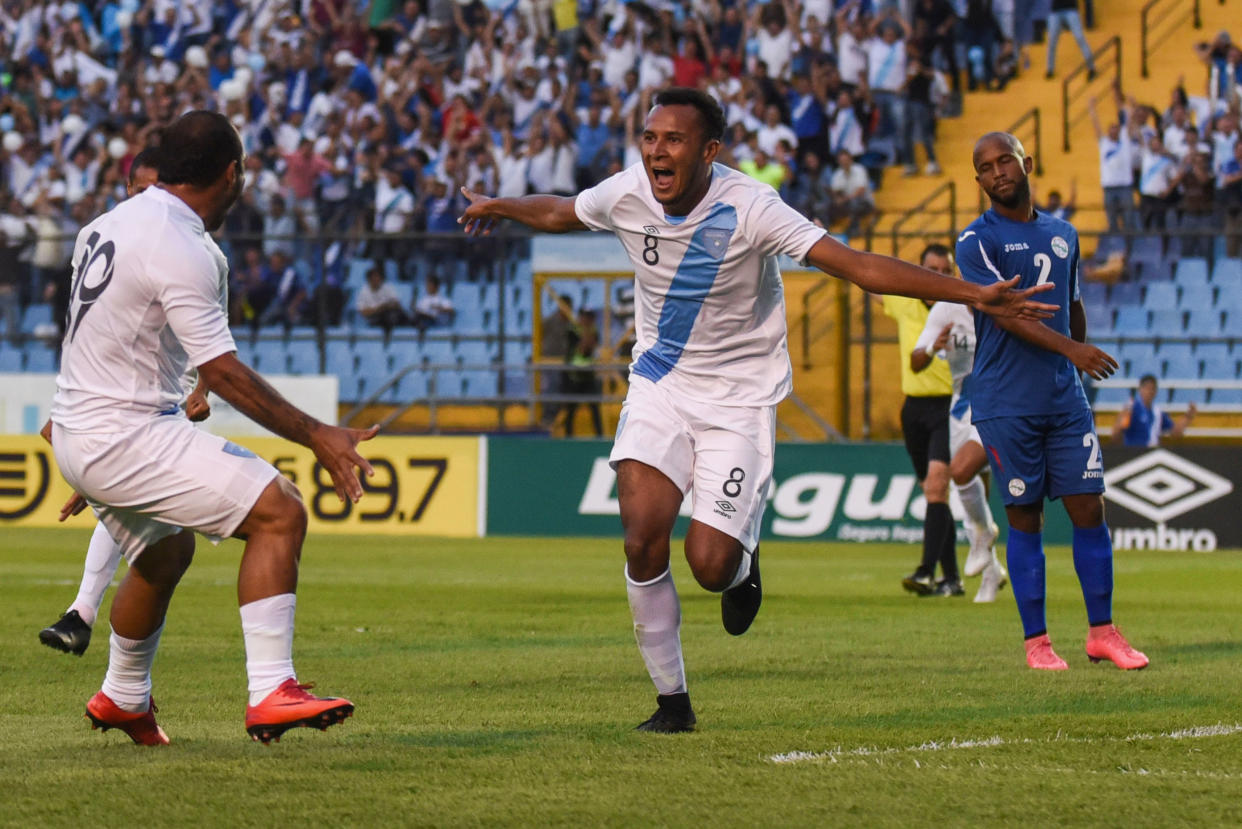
{"points": [[922, 585], [70, 634], [673, 716], [738, 605], [949, 587]]}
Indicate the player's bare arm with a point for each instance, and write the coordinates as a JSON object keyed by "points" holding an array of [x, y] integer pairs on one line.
{"points": [[546, 214], [250, 394], [1098, 364], [885, 275]]}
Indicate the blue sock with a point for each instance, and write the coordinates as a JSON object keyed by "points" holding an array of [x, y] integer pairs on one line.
{"points": [[1025, 555], [1093, 561]]}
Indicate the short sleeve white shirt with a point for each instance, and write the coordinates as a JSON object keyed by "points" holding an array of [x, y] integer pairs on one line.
{"points": [[148, 303], [959, 352], [709, 303], [886, 64], [1116, 168]]}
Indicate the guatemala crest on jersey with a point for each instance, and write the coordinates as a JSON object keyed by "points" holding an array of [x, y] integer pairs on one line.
{"points": [[716, 241], [1060, 247]]}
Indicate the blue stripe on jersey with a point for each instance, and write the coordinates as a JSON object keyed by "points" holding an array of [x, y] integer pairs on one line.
{"points": [[962, 406], [690, 286]]}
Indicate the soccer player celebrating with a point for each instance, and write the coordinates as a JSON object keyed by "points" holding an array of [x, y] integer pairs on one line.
{"points": [[1028, 403], [950, 333], [148, 294], [710, 363], [72, 632]]}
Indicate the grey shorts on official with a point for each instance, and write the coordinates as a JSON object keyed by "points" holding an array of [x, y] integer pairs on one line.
{"points": [[719, 455], [149, 483]]}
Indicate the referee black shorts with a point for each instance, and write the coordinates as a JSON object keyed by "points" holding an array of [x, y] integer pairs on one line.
{"points": [[925, 426]]}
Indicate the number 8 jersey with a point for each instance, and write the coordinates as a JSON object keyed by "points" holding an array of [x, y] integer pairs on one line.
{"points": [[709, 309], [1011, 376], [147, 303]]}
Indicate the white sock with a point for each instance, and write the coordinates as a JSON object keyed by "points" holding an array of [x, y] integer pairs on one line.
{"points": [[975, 501], [128, 680], [743, 570], [657, 627], [102, 557], [267, 628]]}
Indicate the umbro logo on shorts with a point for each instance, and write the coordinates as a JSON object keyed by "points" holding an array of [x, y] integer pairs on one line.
{"points": [[725, 509]]}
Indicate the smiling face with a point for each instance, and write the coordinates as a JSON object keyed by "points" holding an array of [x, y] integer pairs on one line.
{"points": [[1002, 169], [678, 157]]}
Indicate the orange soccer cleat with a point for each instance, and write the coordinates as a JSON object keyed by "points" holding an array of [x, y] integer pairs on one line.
{"points": [[1106, 642], [1041, 656], [289, 706], [141, 727]]}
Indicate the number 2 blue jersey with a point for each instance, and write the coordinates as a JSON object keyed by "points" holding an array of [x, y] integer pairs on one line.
{"points": [[1011, 376]]}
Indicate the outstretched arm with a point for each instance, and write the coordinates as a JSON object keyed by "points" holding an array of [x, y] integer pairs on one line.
{"points": [[885, 275], [251, 395], [547, 214]]}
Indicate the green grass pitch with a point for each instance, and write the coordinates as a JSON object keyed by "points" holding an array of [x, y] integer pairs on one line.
{"points": [[497, 683]]}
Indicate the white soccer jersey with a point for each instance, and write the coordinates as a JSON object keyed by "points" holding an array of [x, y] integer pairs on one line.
{"points": [[960, 350], [147, 304], [709, 303]]}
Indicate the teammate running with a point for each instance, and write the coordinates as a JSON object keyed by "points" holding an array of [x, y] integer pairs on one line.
{"points": [[710, 363], [1028, 403], [147, 293], [950, 333]]}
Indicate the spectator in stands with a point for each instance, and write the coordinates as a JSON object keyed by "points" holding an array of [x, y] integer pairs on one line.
{"points": [[851, 193], [53, 248], [1197, 205], [303, 167], [1064, 14], [1004, 65], [285, 292], [554, 345], [582, 380], [886, 78], [810, 192], [1156, 184], [12, 239], [394, 212], [767, 169], [378, 304], [1116, 168], [1058, 207], [920, 114], [1230, 197], [280, 229], [980, 34], [1143, 422], [933, 25], [433, 308], [845, 126]]}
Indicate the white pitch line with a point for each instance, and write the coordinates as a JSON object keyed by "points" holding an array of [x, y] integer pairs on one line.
{"points": [[955, 744]]}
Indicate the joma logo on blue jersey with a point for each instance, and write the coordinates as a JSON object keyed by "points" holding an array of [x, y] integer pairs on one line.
{"points": [[1012, 246]]}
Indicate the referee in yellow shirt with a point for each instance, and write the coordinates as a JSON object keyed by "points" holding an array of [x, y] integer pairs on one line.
{"points": [[928, 388]]}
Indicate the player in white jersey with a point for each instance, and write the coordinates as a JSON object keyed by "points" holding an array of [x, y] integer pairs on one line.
{"points": [[710, 363], [950, 333], [145, 305], [72, 632]]}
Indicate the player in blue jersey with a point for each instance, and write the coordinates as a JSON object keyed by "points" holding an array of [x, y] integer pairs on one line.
{"points": [[1029, 406], [1143, 423], [710, 360]]}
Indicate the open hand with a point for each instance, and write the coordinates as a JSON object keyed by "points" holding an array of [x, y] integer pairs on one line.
{"points": [[477, 219], [335, 448], [72, 507], [1004, 299], [1097, 364]]}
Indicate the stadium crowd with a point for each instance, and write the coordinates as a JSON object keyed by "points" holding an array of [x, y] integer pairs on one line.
{"points": [[362, 118]]}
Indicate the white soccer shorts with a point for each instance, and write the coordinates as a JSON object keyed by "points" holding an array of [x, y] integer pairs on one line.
{"points": [[962, 432], [719, 455], [149, 483]]}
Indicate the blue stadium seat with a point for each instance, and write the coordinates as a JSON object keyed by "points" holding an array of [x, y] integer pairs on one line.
{"points": [[36, 314], [1155, 271], [1197, 295], [1227, 270], [1099, 319], [1147, 251], [1229, 296], [475, 352], [1192, 270], [372, 357], [1160, 295], [1203, 322], [11, 358], [1197, 396], [271, 357], [1131, 320], [1111, 396], [39, 357], [404, 352], [1226, 397], [1212, 350], [447, 383], [516, 353], [464, 293], [1125, 293], [303, 357], [1233, 322], [1167, 322], [405, 294], [469, 319], [339, 359], [1094, 293], [1220, 367], [245, 351], [479, 383], [439, 352], [489, 297], [1139, 358], [1178, 360], [349, 383], [1109, 243]]}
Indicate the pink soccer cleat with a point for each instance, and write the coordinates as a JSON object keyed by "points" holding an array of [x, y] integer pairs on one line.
{"points": [[289, 706], [1106, 642], [141, 728], [1041, 656]]}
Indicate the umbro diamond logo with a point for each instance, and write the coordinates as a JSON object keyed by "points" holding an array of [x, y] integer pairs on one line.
{"points": [[725, 506], [1161, 486], [651, 230]]}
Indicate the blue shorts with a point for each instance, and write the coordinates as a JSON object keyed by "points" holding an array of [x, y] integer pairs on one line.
{"points": [[1043, 456]]}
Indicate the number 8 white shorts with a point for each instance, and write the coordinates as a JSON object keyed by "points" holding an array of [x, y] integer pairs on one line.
{"points": [[719, 455], [150, 482]]}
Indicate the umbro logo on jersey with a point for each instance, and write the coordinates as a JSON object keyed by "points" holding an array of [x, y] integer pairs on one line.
{"points": [[1012, 246], [651, 230]]}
